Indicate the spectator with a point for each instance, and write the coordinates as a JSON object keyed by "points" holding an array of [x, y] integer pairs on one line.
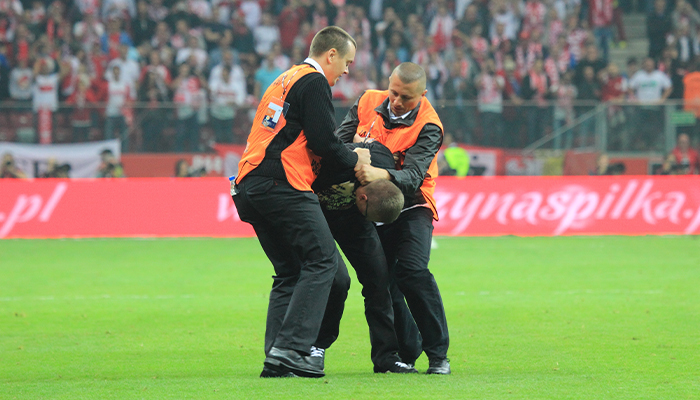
{"points": [[398, 45], [555, 28], [118, 94], [536, 87], [601, 18], [466, 25], [157, 11], [214, 31], [88, 31], [527, 51], [576, 37], [227, 95], [659, 25], [83, 102], [156, 66], [251, 12], [188, 97], [216, 55], [8, 169], [142, 27], [650, 87], [123, 9], [441, 27], [504, 16], [436, 74], [490, 99], [21, 79], [266, 34], [109, 167], [193, 49], [613, 91], [45, 94], [512, 111], [265, 75], [129, 69], [113, 38], [566, 93], [459, 89], [684, 45], [687, 160], [669, 65], [534, 16], [152, 94], [243, 40], [364, 58], [289, 22], [589, 93], [281, 60], [684, 15], [200, 9], [479, 45], [591, 60]]}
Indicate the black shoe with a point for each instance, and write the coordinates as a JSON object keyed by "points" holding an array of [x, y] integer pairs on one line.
{"points": [[317, 357], [439, 366], [397, 368], [279, 359], [282, 373]]}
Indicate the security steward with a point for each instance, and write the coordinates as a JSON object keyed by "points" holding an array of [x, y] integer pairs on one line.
{"points": [[292, 131], [403, 120]]}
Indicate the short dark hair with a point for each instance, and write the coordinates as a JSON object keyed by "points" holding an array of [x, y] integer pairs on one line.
{"points": [[409, 72], [331, 37], [386, 198]]}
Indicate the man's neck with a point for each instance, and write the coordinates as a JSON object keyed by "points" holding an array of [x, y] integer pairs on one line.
{"points": [[316, 63]]}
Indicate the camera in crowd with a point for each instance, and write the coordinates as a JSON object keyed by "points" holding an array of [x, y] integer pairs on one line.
{"points": [[184, 170], [616, 169]]}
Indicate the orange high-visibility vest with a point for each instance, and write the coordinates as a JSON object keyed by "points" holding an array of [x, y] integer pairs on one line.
{"points": [[300, 163], [691, 93], [400, 138]]}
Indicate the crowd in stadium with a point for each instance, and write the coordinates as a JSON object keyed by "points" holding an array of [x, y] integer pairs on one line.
{"points": [[205, 58]]}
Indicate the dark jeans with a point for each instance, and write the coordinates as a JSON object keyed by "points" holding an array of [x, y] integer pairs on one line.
{"points": [[152, 125], [492, 129], [81, 133], [537, 122], [295, 237], [223, 129], [118, 124], [406, 244], [187, 129], [360, 243]]}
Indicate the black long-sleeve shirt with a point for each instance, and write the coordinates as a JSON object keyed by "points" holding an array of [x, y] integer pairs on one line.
{"points": [[336, 186], [418, 157], [310, 110]]}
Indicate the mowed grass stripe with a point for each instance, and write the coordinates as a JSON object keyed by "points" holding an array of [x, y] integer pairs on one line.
{"points": [[572, 317]]}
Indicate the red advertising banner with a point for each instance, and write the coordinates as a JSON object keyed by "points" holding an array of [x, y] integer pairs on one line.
{"points": [[473, 206]]}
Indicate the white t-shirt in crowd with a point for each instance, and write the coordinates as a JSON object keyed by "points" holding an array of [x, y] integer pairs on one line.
{"points": [[117, 94], [649, 86], [129, 71], [45, 92], [226, 97]]}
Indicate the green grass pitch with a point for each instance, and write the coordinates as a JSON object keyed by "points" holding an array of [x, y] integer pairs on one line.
{"points": [[529, 318]]}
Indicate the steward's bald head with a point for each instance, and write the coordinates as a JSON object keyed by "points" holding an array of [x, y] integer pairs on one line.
{"points": [[409, 72]]}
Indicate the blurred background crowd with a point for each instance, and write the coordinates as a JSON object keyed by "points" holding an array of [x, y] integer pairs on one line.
{"points": [[179, 75]]}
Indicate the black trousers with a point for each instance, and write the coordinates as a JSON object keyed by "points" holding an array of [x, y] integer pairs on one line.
{"points": [[360, 243], [406, 244], [295, 237]]}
